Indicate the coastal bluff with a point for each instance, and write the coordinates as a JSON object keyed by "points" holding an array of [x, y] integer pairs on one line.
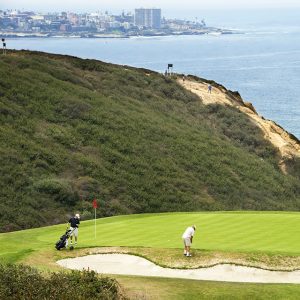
{"points": [[287, 144]]}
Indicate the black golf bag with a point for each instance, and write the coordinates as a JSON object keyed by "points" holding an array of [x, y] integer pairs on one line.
{"points": [[62, 243]]}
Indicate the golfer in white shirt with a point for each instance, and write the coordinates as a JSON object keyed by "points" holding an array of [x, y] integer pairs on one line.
{"points": [[187, 238]]}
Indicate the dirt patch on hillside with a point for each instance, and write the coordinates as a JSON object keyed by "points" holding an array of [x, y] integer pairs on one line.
{"points": [[287, 144]]}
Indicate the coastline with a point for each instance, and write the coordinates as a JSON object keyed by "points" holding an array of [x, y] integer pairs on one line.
{"points": [[254, 73], [211, 31]]}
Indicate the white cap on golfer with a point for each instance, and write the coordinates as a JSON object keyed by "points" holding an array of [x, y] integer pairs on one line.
{"points": [[77, 216]]}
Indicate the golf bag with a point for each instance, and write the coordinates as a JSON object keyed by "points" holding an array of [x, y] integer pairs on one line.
{"points": [[63, 241]]}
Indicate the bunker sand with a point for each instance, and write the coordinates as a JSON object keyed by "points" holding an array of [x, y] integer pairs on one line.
{"points": [[125, 264]]}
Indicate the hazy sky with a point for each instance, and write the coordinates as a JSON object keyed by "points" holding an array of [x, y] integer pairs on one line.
{"points": [[117, 5]]}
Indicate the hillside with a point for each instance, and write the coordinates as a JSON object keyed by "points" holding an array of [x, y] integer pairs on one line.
{"points": [[74, 129]]}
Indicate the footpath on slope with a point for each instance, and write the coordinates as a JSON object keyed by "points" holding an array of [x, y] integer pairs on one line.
{"points": [[287, 144], [125, 264]]}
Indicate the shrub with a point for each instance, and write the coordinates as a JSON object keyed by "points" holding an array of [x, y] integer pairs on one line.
{"points": [[61, 190], [21, 282]]}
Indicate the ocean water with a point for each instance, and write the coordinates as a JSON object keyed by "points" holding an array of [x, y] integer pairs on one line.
{"points": [[262, 63]]}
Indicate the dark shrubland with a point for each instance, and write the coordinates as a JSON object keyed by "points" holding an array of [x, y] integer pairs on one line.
{"points": [[74, 129], [18, 282]]}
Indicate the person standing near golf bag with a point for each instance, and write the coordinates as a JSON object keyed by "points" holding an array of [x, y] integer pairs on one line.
{"points": [[74, 223]]}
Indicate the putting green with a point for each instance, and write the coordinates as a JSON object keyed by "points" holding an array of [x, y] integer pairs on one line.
{"points": [[271, 232]]}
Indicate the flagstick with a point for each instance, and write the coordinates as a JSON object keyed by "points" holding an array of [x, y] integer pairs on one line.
{"points": [[95, 222], [95, 205]]}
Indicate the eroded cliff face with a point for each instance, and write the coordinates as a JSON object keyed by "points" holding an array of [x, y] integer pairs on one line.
{"points": [[287, 144]]}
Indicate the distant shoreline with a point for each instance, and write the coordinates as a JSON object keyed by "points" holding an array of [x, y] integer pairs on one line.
{"points": [[115, 36]]}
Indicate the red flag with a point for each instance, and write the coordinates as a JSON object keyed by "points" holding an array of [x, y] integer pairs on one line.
{"points": [[95, 204]]}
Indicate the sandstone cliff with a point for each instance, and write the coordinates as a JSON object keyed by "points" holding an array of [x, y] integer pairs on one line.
{"points": [[287, 144]]}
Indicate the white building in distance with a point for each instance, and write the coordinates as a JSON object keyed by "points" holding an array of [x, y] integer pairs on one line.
{"points": [[148, 17]]}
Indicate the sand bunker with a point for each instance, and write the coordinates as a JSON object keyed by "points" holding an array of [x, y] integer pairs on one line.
{"points": [[124, 264]]}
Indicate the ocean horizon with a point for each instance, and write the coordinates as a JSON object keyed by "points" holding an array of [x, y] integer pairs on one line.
{"points": [[263, 63]]}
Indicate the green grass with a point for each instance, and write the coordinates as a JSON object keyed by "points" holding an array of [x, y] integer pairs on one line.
{"points": [[179, 289], [74, 129], [269, 232], [254, 233]]}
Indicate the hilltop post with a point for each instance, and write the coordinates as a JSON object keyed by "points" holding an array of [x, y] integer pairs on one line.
{"points": [[170, 69], [95, 206], [4, 46]]}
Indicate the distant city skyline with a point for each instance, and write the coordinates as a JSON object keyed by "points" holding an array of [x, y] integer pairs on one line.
{"points": [[166, 5], [143, 22]]}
